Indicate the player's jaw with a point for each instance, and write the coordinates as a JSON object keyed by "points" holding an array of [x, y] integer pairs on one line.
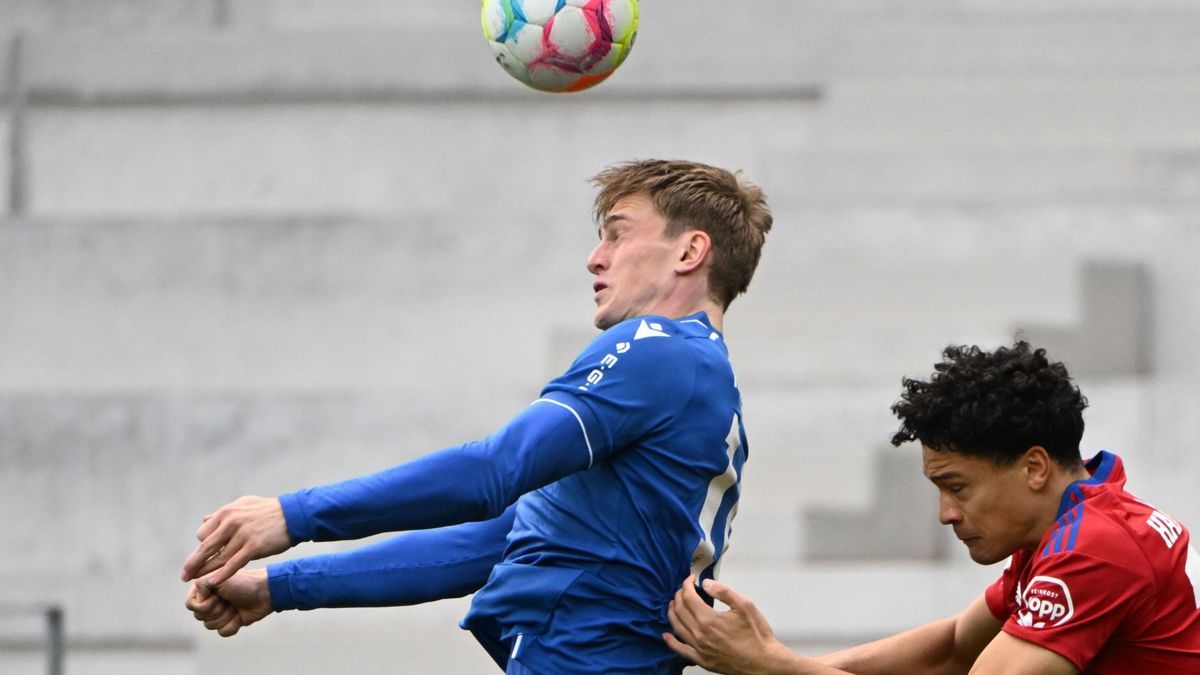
{"points": [[977, 548], [601, 318], [611, 307], [619, 299], [988, 540]]}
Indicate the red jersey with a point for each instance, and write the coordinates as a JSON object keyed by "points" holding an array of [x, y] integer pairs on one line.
{"points": [[1114, 586]]}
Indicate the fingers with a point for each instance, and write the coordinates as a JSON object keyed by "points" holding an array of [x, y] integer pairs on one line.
{"points": [[678, 622], [209, 608], [204, 604], [230, 629], [217, 569], [683, 612], [731, 598], [207, 525], [220, 573], [225, 614], [682, 649], [687, 613], [689, 598], [246, 529], [213, 541]]}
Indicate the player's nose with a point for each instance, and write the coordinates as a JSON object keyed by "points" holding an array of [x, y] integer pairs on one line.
{"points": [[948, 514], [597, 260]]}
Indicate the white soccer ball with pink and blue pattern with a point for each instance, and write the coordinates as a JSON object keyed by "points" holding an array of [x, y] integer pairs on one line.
{"points": [[560, 45]]}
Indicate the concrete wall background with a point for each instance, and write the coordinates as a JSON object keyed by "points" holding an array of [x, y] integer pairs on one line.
{"points": [[241, 239]]}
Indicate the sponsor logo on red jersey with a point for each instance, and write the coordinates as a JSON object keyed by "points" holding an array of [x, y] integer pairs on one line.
{"points": [[1045, 603]]}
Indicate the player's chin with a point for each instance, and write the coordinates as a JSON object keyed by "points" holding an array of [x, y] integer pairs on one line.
{"points": [[603, 321], [984, 557]]}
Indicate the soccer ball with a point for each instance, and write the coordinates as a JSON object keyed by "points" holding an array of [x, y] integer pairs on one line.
{"points": [[560, 45]]}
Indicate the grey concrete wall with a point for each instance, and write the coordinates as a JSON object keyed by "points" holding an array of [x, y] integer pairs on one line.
{"points": [[248, 246]]}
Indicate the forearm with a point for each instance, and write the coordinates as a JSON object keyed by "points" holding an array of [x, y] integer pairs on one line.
{"points": [[407, 569], [928, 649]]}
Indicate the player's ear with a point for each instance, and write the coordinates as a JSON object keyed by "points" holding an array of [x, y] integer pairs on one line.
{"points": [[696, 249], [1037, 464]]}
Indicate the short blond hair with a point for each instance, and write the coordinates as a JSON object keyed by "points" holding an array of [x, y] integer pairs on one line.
{"points": [[690, 195]]}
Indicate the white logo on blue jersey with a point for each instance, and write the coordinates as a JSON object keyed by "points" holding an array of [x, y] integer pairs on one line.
{"points": [[607, 362], [649, 330]]}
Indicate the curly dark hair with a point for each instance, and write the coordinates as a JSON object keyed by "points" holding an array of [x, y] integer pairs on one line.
{"points": [[994, 405]]}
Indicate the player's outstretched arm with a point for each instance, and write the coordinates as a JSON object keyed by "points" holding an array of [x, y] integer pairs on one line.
{"points": [[245, 529], [741, 641], [946, 647], [407, 569], [968, 643], [471, 482]]}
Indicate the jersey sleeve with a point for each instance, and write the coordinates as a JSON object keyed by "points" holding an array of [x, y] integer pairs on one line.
{"points": [[1075, 602], [623, 387], [999, 595], [407, 569], [471, 482]]}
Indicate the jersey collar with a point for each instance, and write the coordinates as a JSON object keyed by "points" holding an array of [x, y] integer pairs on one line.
{"points": [[1105, 467], [701, 318]]}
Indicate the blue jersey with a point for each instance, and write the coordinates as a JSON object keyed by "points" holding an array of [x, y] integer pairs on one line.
{"points": [[588, 509]]}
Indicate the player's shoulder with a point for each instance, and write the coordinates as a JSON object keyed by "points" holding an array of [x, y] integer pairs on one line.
{"points": [[658, 337], [647, 356], [1101, 533], [652, 325]]}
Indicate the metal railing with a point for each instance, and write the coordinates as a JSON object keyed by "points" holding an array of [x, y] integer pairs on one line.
{"points": [[54, 636]]}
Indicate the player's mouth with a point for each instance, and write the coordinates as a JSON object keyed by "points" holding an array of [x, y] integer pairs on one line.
{"points": [[599, 286]]}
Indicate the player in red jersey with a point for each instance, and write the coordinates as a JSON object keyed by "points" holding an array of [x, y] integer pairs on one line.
{"points": [[1098, 581]]}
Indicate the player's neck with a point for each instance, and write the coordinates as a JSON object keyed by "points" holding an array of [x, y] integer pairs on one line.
{"points": [[687, 307], [1054, 495], [716, 316], [691, 297]]}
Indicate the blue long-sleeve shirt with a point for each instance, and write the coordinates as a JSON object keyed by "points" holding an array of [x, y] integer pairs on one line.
{"points": [[591, 506]]}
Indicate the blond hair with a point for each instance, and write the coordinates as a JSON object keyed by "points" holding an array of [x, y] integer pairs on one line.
{"points": [[689, 195]]}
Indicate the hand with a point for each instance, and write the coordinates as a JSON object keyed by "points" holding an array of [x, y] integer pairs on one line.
{"points": [[737, 641], [242, 600], [246, 529]]}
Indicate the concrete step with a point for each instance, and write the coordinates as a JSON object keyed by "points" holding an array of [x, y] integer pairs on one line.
{"points": [[112, 16], [126, 480], [284, 16], [868, 176], [287, 306], [478, 163], [1003, 113], [424, 160], [274, 16], [842, 296], [781, 52]]}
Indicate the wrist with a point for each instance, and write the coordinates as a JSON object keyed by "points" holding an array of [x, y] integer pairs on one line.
{"points": [[277, 579], [781, 661], [295, 519]]}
